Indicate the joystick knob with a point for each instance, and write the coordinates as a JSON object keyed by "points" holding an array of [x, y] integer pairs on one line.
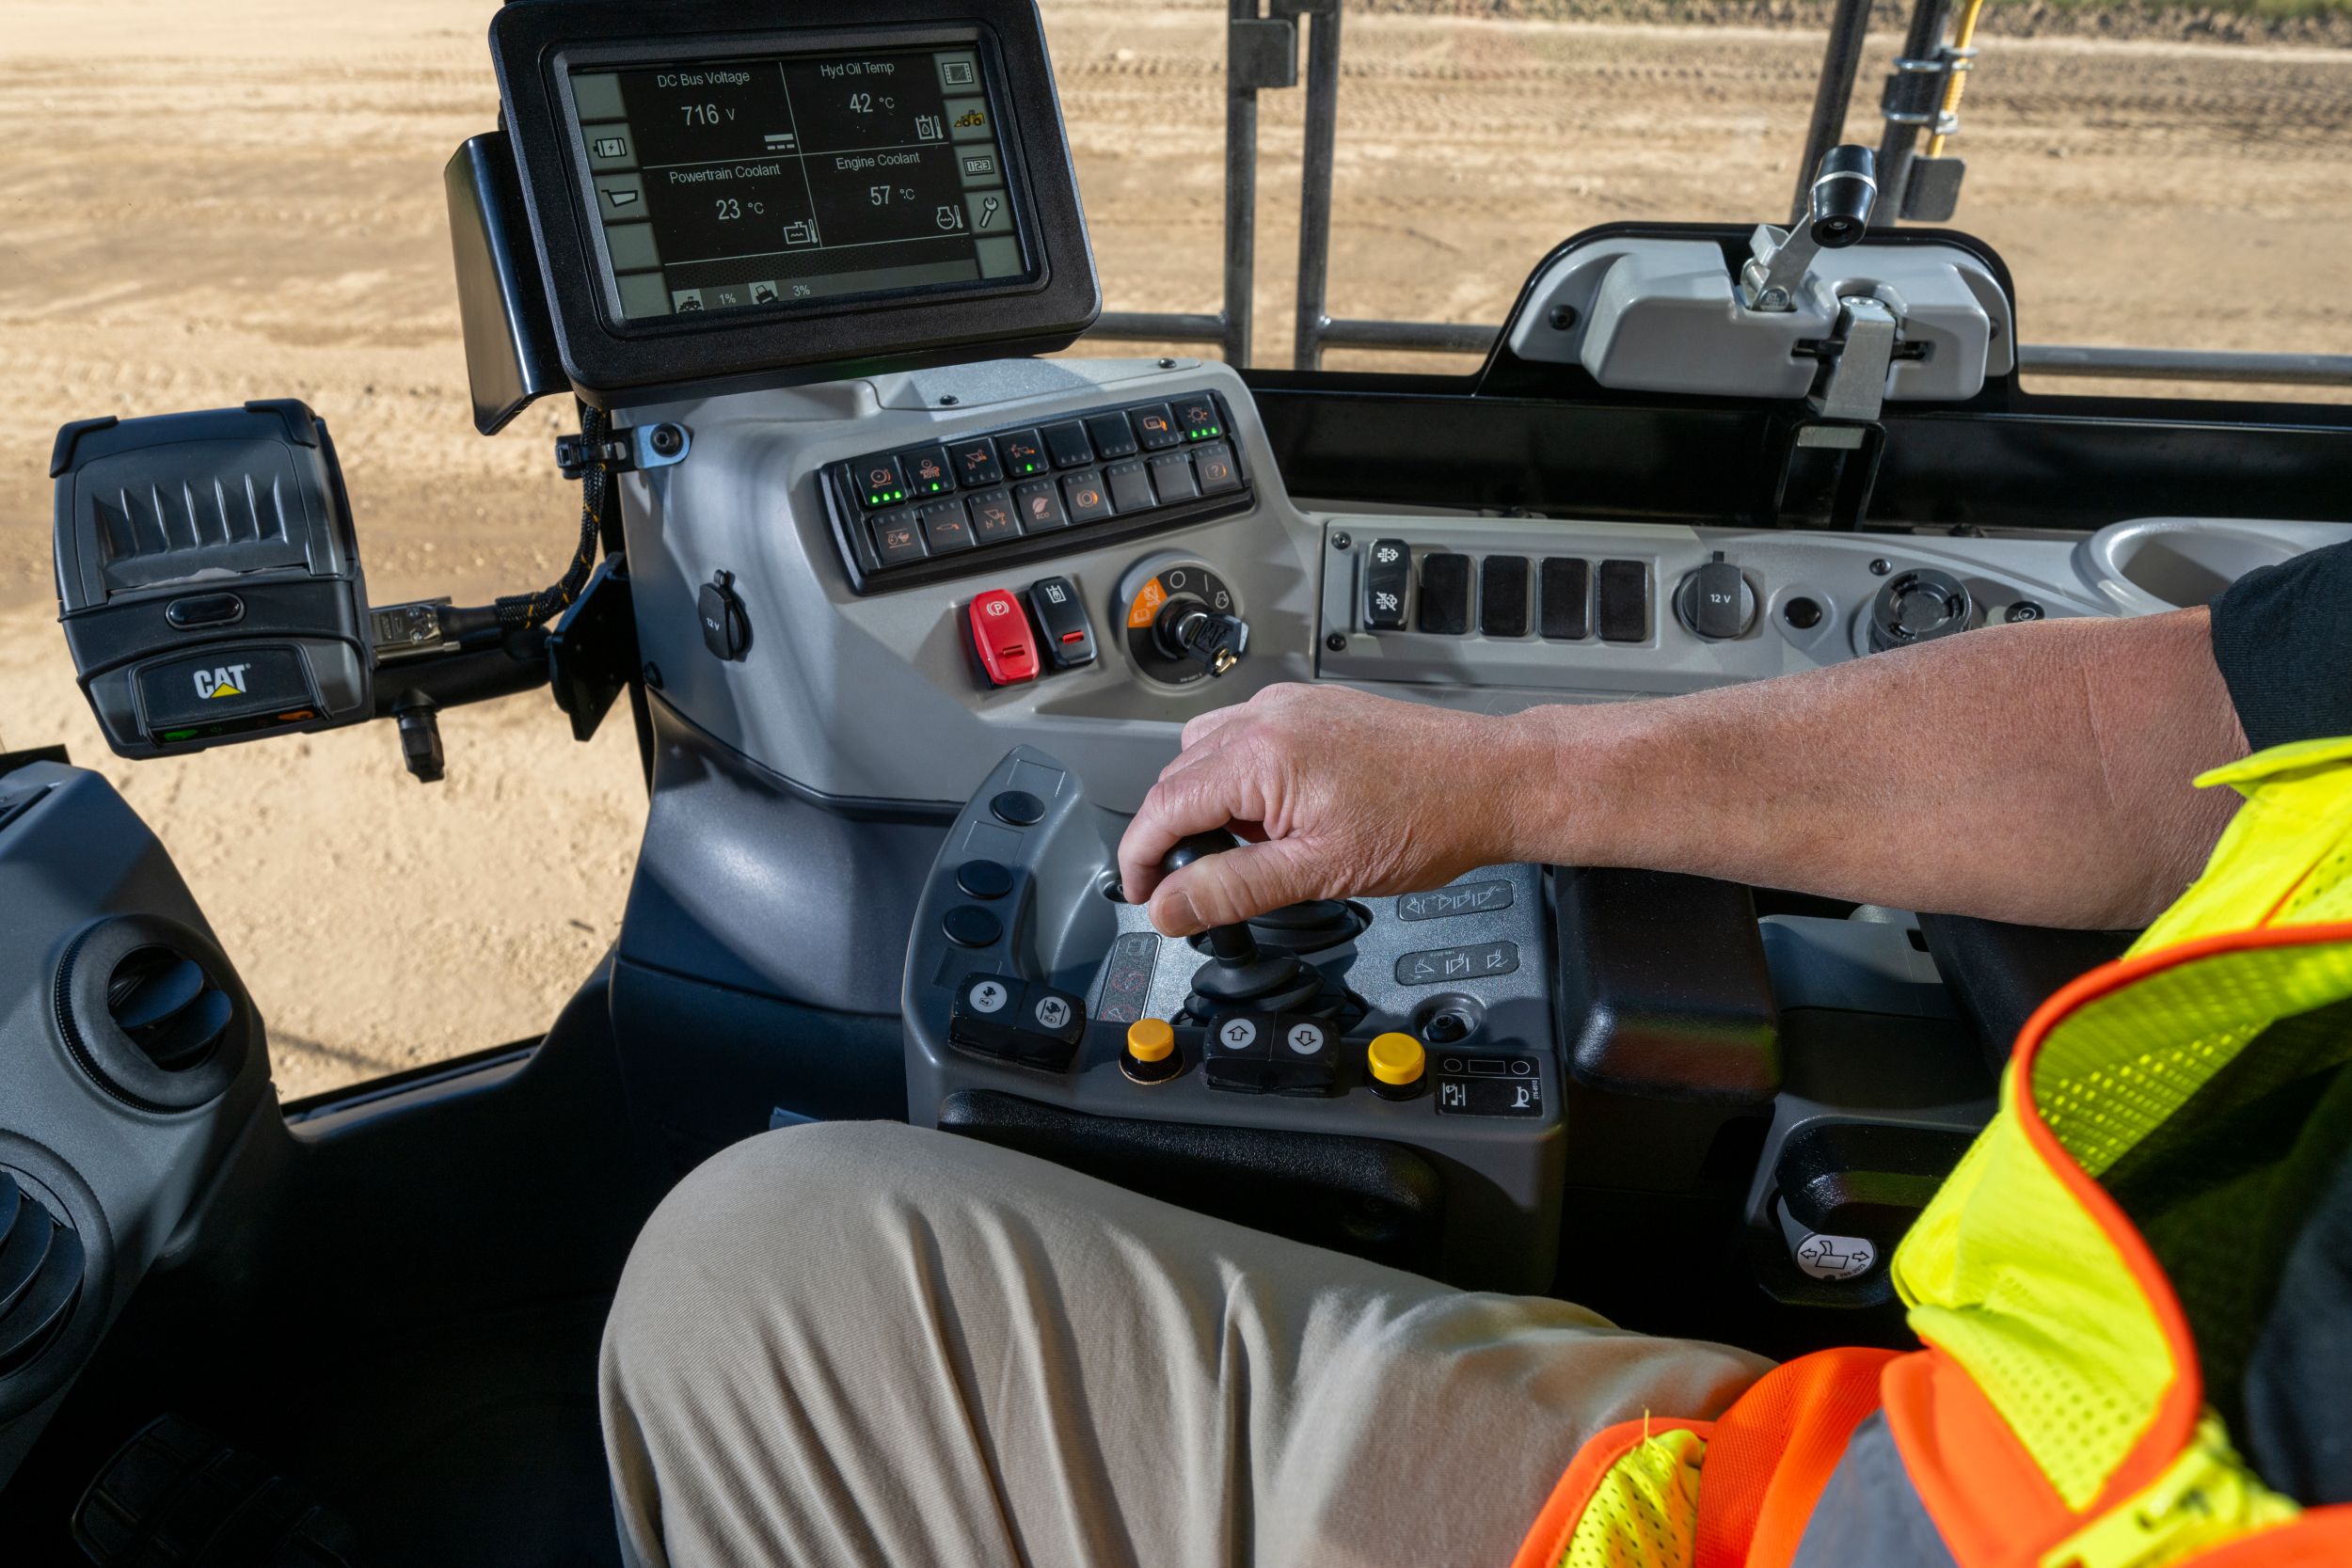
{"points": [[1238, 977], [1230, 943]]}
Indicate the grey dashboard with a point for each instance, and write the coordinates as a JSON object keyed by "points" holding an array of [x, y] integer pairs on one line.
{"points": [[876, 694]]}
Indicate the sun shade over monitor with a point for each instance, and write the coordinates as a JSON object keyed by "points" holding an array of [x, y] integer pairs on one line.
{"points": [[717, 196]]}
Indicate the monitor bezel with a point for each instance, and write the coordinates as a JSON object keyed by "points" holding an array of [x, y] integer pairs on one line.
{"points": [[537, 44]]}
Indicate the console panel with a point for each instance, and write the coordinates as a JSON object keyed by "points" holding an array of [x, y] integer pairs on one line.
{"points": [[1021, 894], [858, 677], [903, 685]]}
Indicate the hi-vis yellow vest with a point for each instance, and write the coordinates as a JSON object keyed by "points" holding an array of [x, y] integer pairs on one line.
{"points": [[2056, 1419]]}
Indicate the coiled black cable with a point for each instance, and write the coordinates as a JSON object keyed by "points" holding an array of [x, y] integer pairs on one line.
{"points": [[525, 611], [521, 611]]}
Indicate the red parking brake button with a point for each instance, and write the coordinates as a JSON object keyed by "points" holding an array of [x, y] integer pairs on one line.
{"points": [[1002, 637]]}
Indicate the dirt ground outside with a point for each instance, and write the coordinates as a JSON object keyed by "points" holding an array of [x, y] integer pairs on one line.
{"points": [[208, 202]]}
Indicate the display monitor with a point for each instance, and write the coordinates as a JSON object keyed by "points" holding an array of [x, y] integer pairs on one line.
{"points": [[765, 183], [721, 195]]}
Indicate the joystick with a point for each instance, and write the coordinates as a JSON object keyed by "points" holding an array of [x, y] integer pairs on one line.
{"points": [[1239, 976]]}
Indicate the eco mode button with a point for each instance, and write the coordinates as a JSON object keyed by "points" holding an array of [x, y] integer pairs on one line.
{"points": [[225, 682]]}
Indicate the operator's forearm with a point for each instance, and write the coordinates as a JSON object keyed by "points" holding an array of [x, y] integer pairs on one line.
{"points": [[2037, 774]]}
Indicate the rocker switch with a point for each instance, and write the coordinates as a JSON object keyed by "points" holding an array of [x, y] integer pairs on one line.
{"points": [[1061, 615], [1388, 582], [1002, 637]]}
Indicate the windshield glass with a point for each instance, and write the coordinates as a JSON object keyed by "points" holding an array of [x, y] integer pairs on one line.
{"points": [[2156, 177]]}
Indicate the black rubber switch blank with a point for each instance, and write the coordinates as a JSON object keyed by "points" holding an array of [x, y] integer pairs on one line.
{"points": [[1018, 807], [970, 926], [1502, 596], [1564, 599], [984, 879], [1624, 601], [1445, 583]]}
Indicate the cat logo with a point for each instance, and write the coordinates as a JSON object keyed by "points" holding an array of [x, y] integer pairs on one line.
{"points": [[227, 681]]}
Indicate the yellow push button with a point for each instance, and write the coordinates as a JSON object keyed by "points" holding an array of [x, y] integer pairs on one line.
{"points": [[1150, 1039], [1151, 1052], [1396, 1062]]}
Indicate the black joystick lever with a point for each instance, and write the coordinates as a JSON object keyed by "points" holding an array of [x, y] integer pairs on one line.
{"points": [[1239, 977], [1837, 208]]}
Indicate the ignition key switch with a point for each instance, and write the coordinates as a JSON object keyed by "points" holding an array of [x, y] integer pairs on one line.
{"points": [[1183, 623], [1215, 642]]}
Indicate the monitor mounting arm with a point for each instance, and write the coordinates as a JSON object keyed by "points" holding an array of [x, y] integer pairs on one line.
{"points": [[1830, 313], [1845, 191]]}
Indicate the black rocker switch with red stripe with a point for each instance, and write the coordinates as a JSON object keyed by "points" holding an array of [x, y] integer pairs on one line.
{"points": [[1061, 616], [1002, 638]]}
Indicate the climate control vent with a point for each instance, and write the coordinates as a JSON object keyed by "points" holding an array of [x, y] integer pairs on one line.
{"points": [[152, 1012], [40, 1274], [169, 1008]]}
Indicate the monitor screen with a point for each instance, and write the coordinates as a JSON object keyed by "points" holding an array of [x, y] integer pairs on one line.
{"points": [[756, 183]]}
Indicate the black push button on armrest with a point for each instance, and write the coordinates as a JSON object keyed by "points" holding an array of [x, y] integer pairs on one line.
{"points": [[1237, 1053], [1037, 1026]]}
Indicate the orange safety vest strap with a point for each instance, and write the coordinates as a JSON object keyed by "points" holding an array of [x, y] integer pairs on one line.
{"points": [[1547, 1540], [1976, 1479], [1772, 1452]]}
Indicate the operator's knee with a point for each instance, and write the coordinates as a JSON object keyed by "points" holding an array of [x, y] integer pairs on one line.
{"points": [[799, 1237], [766, 1224], [840, 1333], [763, 1272]]}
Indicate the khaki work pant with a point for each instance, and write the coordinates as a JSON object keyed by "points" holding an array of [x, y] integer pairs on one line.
{"points": [[864, 1343]]}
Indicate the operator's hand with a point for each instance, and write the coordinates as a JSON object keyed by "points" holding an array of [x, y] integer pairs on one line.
{"points": [[1337, 792]]}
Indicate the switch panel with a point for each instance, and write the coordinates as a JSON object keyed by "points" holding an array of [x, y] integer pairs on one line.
{"points": [[1634, 610], [1109, 474]]}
